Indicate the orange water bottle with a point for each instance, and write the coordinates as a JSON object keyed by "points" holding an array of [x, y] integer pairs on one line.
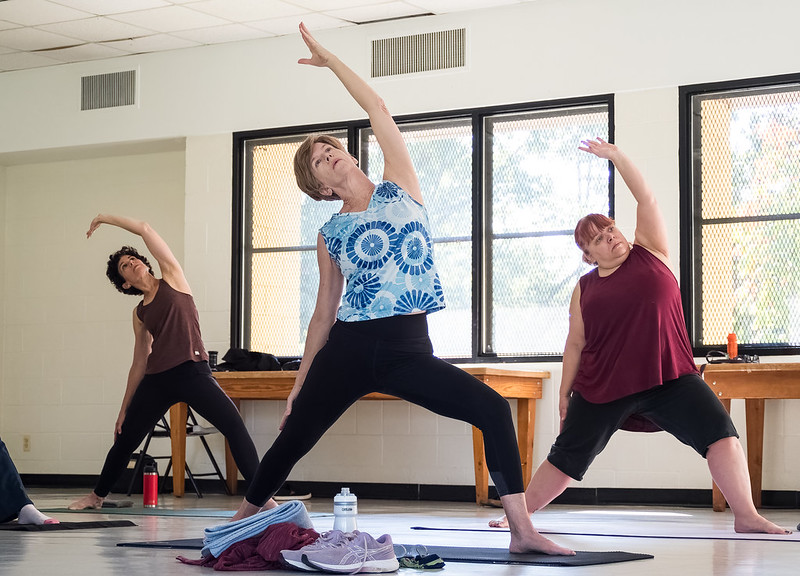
{"points": [[733, 347]]}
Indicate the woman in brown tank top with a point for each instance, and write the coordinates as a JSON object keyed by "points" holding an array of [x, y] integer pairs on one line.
{"points": [[170, 363]]}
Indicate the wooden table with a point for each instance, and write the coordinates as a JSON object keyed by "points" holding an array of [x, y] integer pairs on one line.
{"points": [[525, 386], [755, 383]]}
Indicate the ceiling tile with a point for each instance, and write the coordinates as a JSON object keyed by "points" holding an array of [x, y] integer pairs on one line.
{"points": [[170, 19], [314, 21], [85, 52], [326, 5], [220, 34], [103, 7], [97, 29], [377, 12], [444, 6], [247, 10], [132, 26], [35, 12], [33, 39], [24, 60], [153, 43]]}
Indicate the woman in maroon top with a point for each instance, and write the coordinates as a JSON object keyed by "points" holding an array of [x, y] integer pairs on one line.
{"points": [[628, 362], [170, 363]]}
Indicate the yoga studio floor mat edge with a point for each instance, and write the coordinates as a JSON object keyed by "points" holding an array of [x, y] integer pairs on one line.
{"points": [[67, 526], [187, 512], [180, 544], [794, 537], [503, 556]]}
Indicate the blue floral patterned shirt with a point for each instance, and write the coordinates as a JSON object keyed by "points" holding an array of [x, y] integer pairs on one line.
{"points": [[386, 255]]}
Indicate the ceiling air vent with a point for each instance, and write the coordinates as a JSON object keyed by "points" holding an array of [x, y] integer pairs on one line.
{"points": [[108, 90], [418, 53]]}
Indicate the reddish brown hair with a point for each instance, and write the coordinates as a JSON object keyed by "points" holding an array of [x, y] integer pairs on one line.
{"points": [[587, 229]]}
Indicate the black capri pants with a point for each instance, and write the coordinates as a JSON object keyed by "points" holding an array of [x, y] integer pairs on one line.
{"points": [[393, 356], [190, 382], [685, 407]]}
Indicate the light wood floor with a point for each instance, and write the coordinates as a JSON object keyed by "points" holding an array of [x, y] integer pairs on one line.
{"points": [[94, 552]]}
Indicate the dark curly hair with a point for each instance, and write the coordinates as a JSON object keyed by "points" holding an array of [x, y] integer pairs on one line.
{"points": [[112, 269]]}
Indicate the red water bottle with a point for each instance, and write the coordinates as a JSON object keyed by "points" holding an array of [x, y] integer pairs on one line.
{"points": [[150, 486], [733, 346]]}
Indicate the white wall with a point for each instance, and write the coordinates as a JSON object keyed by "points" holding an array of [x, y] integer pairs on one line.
{"points": [[66, 332]]}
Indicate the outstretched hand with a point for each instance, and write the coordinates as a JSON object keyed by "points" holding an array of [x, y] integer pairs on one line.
{"points": [[94, 225], [319, 55], [598, 147]]}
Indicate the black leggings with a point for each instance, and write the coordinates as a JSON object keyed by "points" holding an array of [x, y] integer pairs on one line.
{"points": [[190, 382], [12, 493], [393, 356]]}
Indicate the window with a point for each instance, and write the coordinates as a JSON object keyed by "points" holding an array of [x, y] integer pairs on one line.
{"points": [[741, 214], [503, 188]]}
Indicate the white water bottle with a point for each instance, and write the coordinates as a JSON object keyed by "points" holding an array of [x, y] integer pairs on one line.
{"points": [[345, 509]]}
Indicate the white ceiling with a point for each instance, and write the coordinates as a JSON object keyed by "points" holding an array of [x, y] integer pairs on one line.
{"points": [[36, 33]]}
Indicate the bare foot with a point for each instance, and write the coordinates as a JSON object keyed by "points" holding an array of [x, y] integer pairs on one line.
{"points": [[245, 510], [499, 523], [91, 501], [757, 524], [537, 543], [269, 505]]}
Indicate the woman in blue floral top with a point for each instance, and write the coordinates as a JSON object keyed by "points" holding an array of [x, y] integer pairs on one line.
{"points": [[374, 337]]}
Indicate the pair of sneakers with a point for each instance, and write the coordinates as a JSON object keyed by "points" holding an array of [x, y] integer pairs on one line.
{"points": [[345, 553]]}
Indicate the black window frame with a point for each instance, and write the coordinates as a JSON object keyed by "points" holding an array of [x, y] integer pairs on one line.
{"points": [[689, 207], [481, 211]]}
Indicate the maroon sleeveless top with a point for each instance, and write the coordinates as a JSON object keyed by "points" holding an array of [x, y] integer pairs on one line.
{"points": [[635, 333], [173, 321]]}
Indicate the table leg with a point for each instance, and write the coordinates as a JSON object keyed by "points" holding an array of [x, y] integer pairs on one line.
{"points": [[526, 420], [177, 423], [231, 470], [754, 414], [717, 499], [481, 471]]}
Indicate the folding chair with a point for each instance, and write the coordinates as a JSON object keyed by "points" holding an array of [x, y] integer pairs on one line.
{"points": [[193, 430]]}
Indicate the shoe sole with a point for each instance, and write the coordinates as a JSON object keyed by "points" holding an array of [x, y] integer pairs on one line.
{"points": [[369, 567], [298, 565], [306, 496]]}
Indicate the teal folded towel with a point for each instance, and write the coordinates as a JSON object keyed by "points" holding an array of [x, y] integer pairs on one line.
{"points": [[219, 538]]}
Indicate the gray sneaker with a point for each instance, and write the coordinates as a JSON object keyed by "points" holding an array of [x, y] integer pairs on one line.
{"points": [[294, 558], [363, 554]]}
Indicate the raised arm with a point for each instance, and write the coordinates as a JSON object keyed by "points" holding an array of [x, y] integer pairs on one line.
{"points": [[170, 267], [397, 162], [651, 230]]}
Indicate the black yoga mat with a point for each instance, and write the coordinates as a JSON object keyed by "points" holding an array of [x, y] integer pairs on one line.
{"points": [[66, 525], [455, 554], [503, 556], [185, 544]]}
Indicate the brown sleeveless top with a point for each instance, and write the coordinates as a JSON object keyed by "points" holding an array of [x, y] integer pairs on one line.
{"points": [[173, 321], [635, 333]]}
